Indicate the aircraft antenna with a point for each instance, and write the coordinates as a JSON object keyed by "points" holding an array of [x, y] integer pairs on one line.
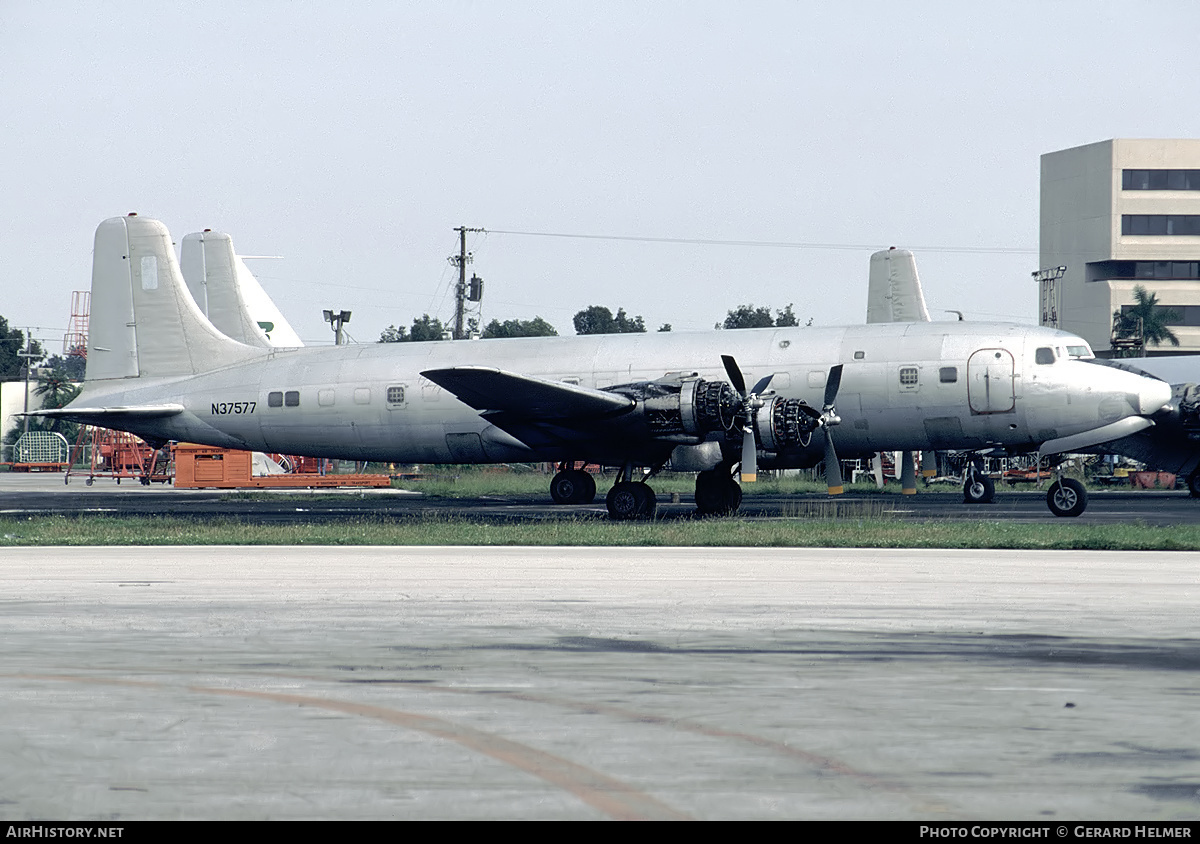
{"points": [[462, 292]]}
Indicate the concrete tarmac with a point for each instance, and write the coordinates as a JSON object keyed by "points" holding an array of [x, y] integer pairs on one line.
{"points": [[569, 683]]}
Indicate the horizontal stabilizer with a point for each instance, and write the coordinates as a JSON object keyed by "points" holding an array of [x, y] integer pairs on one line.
{"points": [[484, 388], [108, 416]]}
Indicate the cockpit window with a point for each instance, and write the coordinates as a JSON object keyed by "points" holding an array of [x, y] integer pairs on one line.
{"points": [[1079, 352], [1044, 355]]}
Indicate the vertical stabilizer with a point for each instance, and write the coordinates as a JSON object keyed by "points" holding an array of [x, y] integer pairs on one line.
{"points": [[144, 323], [893, 289], [229, 294]]}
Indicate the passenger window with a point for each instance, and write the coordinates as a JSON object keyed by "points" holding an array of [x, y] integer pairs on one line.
{"points": [[275, 399], [859, 355], [948, 374], [291, 398], [1044, 355]]}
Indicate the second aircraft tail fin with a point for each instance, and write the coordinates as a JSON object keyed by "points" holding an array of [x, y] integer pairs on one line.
{"points": [[143, 321]]}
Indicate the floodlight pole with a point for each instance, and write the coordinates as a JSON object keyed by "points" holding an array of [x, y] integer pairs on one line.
{"points": [[336, 319], [1050, 293]]}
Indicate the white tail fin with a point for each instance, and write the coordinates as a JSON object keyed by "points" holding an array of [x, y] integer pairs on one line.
{"points": [[893, 290], [143, 322], [229, 294]]}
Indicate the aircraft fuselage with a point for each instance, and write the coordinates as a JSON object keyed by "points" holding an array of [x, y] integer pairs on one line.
{"points": [[904, 386]]}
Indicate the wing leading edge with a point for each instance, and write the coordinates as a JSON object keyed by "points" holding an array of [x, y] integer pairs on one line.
{"points": [[523, 396]]}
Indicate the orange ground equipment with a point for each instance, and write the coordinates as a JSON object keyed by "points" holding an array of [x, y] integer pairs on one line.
{"points": [[116, 454], [207, 467]]}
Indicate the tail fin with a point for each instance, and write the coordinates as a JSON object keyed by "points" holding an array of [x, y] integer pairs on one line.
{"points": [[893, 290], [143, 321], [229, 294]]}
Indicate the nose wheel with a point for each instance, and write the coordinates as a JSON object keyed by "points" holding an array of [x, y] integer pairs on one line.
{"points": [[978, 488], [1066, 497]]}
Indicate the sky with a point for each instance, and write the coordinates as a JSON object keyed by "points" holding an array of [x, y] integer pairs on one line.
{"points": [[699, 155]]}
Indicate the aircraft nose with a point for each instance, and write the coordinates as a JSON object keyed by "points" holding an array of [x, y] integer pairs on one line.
{"points": [[1152, 396]]}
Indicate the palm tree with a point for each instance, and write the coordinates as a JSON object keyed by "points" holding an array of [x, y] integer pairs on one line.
{"points": [[1146, 321]]}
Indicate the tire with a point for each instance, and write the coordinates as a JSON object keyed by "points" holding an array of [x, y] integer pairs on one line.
{"points": [[564, 488], [717, 494], [1193, 484], [587, 487], [629, 500], [979, 489], [1066, 498]]}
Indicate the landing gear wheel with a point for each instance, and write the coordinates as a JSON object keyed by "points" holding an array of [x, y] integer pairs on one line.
{"points": [[630, 500], [979, 489], [717, 494], [573, 486], [1066, 497], [1193, 484]]}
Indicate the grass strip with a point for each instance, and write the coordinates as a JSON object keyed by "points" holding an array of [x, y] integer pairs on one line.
{"points": [[867, 532]]}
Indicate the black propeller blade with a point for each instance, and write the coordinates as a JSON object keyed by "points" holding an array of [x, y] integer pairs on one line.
{"points": [[751, 402], [829, 418]]}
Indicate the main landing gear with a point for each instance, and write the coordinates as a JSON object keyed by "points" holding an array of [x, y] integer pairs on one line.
{"points": [[572, 486], [629, 499], [1193, 483], [717, 493]]}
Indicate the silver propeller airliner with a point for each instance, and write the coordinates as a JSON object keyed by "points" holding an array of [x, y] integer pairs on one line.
{"points": [[159, 369]]}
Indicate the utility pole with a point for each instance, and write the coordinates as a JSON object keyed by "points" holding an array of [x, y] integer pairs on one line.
{"points": [[461, 293], [29, 356]]}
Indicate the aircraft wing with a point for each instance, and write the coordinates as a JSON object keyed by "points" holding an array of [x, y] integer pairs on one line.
{"points": [[525, 397]]}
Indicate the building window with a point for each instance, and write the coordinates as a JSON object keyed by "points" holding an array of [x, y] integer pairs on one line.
{"points": [[1178, 315], [1160, 224], [1160, 179]]}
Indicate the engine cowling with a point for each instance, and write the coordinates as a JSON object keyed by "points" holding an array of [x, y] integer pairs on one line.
{"points": [[690, 409]]}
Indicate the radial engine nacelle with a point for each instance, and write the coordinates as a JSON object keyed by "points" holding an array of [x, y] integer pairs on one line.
{"points": [[688, 409]]}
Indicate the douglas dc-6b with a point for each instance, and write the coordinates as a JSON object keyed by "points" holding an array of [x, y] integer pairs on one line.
{"points": [[159, 369]]}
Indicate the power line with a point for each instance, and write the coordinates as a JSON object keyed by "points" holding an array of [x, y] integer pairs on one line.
{"points": [[773, 244]]}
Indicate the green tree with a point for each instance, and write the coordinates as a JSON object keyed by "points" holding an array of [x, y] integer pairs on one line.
{"points": [[1145, 320], [392, 334], [73, 365], [598, 319], [425, 328], [748, 316], [536, 327], [12, 342]]}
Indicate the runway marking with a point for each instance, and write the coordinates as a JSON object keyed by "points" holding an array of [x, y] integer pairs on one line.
{"points": [[822, 763], [606, 794]]}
